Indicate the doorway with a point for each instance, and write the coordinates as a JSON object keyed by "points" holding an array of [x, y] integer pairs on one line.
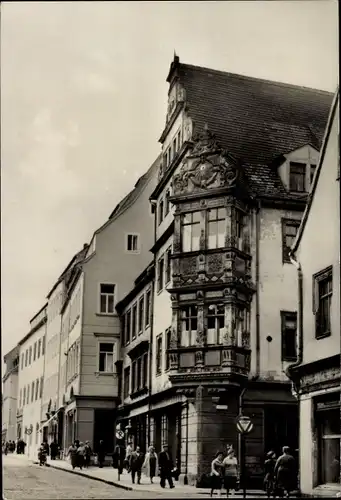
{"points": [[104, 429]]}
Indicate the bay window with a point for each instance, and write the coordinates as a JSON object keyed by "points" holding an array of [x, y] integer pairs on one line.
{"points": [[215, 323], [189, 325], [216, 228], [190, 232]]}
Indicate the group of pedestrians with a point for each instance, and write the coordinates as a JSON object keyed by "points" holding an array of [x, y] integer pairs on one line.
{"points": [[80, 454], [150, 464], [224, 472], [280, 474]]}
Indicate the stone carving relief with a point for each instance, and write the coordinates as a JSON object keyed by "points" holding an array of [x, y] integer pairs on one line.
{"points": [[174, 339], [188, 265], [200, 340], [214, 263], [205, 167], [199, 358]]}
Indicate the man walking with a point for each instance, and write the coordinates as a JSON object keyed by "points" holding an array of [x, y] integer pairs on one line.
{"points": [[135, 465], [166, 467]]}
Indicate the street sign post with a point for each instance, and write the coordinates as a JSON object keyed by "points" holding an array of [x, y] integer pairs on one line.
{"points": [[244, 426]]}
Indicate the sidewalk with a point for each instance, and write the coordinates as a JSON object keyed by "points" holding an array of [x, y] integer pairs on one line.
{"points": [[110, 476]]}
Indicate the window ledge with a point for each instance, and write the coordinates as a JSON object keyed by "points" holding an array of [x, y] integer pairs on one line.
{"points": [[106, 314], [321, 336], [105, 374]]}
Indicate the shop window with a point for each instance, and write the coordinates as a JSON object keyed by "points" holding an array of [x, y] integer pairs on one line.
{"points": [[329, 445], [189, 325], [323, 292], [190, 232], [216, 228], [289, 332], [289, 231], [215, 323]]}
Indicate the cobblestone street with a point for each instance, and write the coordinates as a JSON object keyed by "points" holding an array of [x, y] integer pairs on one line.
{"points": [[23, 480]]}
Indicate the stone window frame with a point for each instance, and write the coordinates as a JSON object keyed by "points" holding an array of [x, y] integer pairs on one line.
{"points": [[318, 278]]}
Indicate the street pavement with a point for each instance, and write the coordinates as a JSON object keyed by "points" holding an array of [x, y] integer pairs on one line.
{"points": [[22, 479]]}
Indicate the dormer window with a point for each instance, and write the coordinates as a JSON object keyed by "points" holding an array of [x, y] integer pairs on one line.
{"points": [[297, 177]]}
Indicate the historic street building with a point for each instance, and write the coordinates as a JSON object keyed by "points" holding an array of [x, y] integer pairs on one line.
{"points": [[90, 326], [9, 395], [239, 155], [31, 383], [316, 373]]}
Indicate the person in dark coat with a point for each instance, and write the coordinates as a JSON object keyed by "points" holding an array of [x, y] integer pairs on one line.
{"points": [[87, 455], [46, 447], [269, 471], [217, 472], [286, 472], [166, 467], [54, 449], [135, 464], [101, 453]]}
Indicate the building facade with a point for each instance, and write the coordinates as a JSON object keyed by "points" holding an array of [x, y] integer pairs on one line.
{"points": [[31, 383], [231, 191], [118, 252], [9, 395], [316, 374]]}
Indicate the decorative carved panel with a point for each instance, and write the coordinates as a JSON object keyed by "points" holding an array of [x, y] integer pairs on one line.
{"points": [[214, 263], [188, 265], [187, 359]]}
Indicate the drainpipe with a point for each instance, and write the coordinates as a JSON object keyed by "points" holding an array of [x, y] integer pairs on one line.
{"points": [[257, 293], [186, 470], [150, 359]]}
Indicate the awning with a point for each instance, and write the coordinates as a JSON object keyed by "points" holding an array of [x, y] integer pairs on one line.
{"points": [[45, 424]]}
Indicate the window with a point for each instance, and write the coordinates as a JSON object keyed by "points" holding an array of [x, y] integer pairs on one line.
{"points": [[126, 382], [26, 357], [323, 291], [35, 351], [133, 243], [174, 148], [20, 398], [289, 329], [22, 361], [160, 211], [107, 294], [37, 389], [39, 347], [148, 304], [189, 325], [43, 346], [289, 231], [145, 370], [30, 355], [216, 228], [329, 433], [168, 265], [168, 341], [134, 322], [312, 173], [240, 223], [32, 392], [128, 326], [24, 397], [297, 177], [28, 395], [167, 203], [160, 276], [141, 313], [215, 323], [158, 354], [190, 232], [139, 374], [133, 376], [179, 139], [106, 357], [41, 387]]}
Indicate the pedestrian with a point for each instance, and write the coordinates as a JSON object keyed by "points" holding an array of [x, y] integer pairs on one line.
{"points": [[54, 448], [72, 453], [81, 455], [101, 453], [47, 448], [269, 471], [286, 472], [166, 468], [135, 465], [129, 450], [150, 464], [217, 473], [87, 455], [230, 464]]}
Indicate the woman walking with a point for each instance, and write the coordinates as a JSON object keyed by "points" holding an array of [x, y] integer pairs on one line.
{"points": [[230, 464], [217, 473], [150, 464], [72, 453], [286, 472], [269, 469]]}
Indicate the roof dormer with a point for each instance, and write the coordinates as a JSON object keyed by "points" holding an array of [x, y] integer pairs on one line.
{"points": [[298, 169]]}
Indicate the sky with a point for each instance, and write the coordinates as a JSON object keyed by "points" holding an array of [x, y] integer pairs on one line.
{"points": [[83, 104]]}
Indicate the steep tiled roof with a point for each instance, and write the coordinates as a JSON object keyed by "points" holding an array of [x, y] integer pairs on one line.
{"points": [[256, 120]]}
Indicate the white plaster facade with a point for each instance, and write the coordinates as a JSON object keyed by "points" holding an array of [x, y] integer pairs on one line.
{"points": [[9, 395]]}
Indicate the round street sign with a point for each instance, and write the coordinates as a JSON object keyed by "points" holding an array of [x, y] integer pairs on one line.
{"points": [[244, 424], [119, 434]]}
